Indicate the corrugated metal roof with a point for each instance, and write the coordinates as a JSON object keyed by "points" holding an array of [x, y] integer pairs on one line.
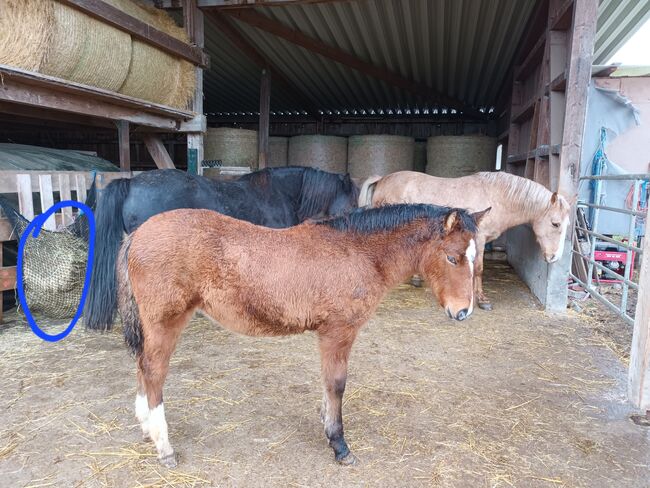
{"points": [[462, 48], [618, 20]]}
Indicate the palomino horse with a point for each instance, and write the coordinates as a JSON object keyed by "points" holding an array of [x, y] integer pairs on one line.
{"points": [[514, 201], [273, 197], [327, 277]]}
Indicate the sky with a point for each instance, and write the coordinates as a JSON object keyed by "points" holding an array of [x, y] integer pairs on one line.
{"points": [[636, 51]]}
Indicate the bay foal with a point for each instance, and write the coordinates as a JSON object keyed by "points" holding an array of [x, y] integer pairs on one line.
{"points": [[326, 277]]}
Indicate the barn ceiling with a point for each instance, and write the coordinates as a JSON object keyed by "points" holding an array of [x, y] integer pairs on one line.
{"points": [[459, 49]]}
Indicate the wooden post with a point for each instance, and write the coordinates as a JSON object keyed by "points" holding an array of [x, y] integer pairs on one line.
{"points": [[581, 50], [158, 152], [263, 132], [194, 26], [125, 149], [639, 373]]}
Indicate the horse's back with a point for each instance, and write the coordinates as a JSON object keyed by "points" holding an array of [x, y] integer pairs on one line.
{"points": [[414, 187]]}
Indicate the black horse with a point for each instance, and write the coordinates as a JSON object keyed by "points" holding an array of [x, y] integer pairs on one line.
{"points": [[273, 197]]}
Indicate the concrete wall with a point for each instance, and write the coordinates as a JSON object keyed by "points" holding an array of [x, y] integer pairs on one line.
{"points": [[548, 282], [631, 149]]}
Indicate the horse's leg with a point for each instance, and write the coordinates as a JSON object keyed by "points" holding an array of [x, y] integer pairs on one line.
{"points": [[141, 402], [335, 351], [483, 301], [159, 345]]}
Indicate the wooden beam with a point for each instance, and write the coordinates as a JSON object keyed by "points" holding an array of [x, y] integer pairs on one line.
{"points": [[263, 130], [37, 90], [140, 30], [581, 49], [260, 60], [639, 372], [230, 4], [255, 19], [124, 145], [158, 152]]}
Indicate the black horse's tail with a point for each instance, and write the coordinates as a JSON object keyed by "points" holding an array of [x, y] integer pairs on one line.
{"points": [[127, 304], [102, 294]]}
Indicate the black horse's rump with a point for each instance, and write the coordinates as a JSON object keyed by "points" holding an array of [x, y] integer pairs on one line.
{"points": [[273, 197]]}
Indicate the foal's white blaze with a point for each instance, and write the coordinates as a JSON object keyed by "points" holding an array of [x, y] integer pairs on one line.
{"points": [[158, 431], [470, 253], [142, 412]]}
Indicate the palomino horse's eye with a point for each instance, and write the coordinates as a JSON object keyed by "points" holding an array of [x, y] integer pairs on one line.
{"points": [[555, 224], [452, 260]]}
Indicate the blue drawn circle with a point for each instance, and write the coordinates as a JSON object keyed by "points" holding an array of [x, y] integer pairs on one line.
{"points": [[36, 225]]}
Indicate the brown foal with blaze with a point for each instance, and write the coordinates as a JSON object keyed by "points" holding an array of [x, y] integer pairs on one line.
{"points": [[327, 277]]}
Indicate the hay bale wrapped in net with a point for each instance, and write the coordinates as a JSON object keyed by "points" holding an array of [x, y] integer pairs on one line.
{"points": [[329, 153], [278, 151], [51, 38], [233, 147], [420, 156], [54, 264], [379, 155], [455, 156]]}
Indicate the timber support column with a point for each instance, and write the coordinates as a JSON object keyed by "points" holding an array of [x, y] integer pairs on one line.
{"points": [[194, 25], [263, 132]]}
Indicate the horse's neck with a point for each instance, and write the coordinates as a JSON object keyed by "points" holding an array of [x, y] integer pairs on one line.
{"points": [[518, 207], [396, 257]]}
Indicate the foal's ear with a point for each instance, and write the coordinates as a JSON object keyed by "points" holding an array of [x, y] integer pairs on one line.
{"points": [[478, 216], [554, 198], [450, 220]]}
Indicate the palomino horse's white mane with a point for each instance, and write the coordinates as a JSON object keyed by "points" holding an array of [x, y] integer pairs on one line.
{"points": [[527, 194]]}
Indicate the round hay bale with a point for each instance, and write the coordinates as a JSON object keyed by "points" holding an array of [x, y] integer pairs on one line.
{"points": [[379, 155], [455, 156], [233, 147], [278, 151], [329, 153], [87, 51], [25, 33], [420, 156], [51, 38]]}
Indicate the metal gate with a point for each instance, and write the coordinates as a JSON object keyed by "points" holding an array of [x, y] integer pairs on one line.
{"points": [[586, 237]]}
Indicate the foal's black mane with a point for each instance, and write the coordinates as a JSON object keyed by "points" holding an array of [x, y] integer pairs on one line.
{"points": [[389, 217], [318, 191]]}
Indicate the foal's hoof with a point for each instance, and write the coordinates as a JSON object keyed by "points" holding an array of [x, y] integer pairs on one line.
{"points": [[485, 306], [416, 281], [348, 460], [146, 437], [169, 461]]}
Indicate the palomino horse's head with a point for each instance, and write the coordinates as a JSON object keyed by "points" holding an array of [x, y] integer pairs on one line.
{"points": [[551, 226], [448, 266]]}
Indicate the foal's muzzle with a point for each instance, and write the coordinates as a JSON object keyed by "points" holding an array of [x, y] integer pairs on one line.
{"points": [[460, 316]]}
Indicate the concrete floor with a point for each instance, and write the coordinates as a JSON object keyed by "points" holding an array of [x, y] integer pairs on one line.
{"points": [[512, 397]]}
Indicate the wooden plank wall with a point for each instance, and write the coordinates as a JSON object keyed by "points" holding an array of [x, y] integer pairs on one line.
{"points": [[42, 185]]}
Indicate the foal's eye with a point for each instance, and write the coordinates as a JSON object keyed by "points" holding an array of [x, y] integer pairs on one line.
{"points": [[452, 260], [555, 224]]}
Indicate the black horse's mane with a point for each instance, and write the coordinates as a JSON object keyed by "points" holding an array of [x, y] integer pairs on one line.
{"points": [[389, 217], [318, 191]]}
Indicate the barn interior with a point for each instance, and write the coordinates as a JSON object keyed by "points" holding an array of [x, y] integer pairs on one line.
{"points": [[453, 87]]}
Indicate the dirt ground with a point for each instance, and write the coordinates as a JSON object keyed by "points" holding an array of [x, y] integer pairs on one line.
{"points": [[513, 397]]}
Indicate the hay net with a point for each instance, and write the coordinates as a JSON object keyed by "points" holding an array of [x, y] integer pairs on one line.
{"points": [[54, 264]]}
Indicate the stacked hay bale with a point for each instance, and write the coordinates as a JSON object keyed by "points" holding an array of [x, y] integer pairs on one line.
{"points": [[420, 156], [455, 156], [57, 40], [379, 155], [233, 147], [278, 151], [329, 153]]}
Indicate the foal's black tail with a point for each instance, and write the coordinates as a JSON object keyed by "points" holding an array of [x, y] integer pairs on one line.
{"points": [[128, 307], [102, 294]]}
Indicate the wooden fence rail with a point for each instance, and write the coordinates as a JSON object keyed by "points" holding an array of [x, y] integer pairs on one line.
{"points": [[28, 183]]}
